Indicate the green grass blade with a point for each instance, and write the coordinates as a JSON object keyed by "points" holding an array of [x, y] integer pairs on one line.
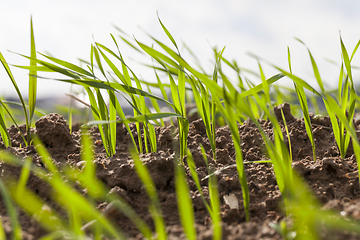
{"points": [[215, 206], [140, 118], [265, 86], [228, 112], [69, 66], [315, 69], [156, 106], [287, 134], [355, 49], [3, 130], [152, 137], [334, 124], [2, 231], [121, 114], [8, 71], [145, 178], [289, 59], [32, 79], [185, 207], [168, 34], [260, 87], [103, 111], [158, 56], [34, 68], [182, 92], [124, 79], [104, 115], [112, 125], [87, 155], [99, 116], [13, 120], [346, 60], [98, 60], [55, 68], [195, 177], [75, 223], [299, 81], [303, 103], [11, 211]]}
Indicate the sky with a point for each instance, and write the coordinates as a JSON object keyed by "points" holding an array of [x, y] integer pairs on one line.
{"points": [[66, 29]]}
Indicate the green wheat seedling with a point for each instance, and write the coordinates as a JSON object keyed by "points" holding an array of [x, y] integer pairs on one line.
{"points": [[177, 90], [287, 134], [102, 113], [346, 97], [138, 102], [32, 88], [7, 112], [186, 210], [214, 207], [300, 92], [277, 150], [3, 130]]}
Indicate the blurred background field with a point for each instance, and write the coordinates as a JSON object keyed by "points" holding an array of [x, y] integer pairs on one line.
{"points": [[66, 29]]}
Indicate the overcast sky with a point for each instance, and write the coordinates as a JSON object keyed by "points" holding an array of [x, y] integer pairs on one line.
{"points": [[66, 30]]}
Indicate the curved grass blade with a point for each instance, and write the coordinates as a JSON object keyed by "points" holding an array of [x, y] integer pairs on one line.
{"points": [[195, 177], [260, 87], [32, 80], [158, 56], [55, 68], [315, 68], [34, 68], [8, 71], [139, 118], [3, 130], [69, 65], [168, 34], [13, 120], [303, 103], [346, 60]]}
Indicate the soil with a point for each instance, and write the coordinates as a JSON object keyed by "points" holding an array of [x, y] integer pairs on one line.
{"points": [[334, 180]]}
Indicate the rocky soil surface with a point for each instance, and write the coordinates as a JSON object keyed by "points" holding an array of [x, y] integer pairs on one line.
{"points": [[333, 180]]}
